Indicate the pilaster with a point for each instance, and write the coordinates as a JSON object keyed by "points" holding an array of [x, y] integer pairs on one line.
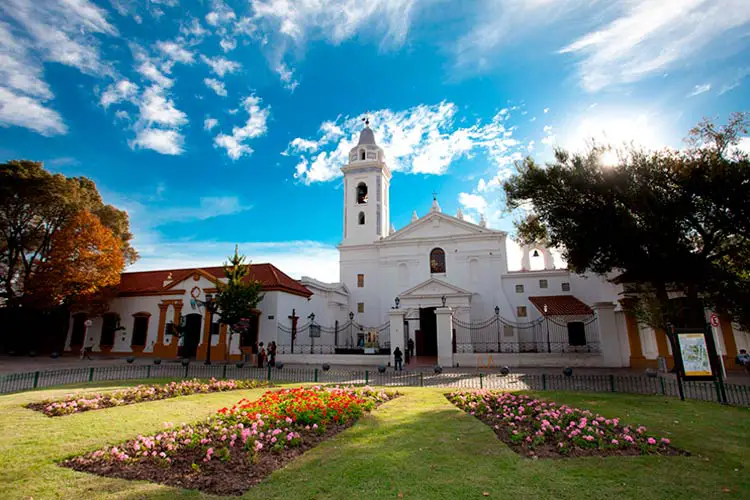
{"points": [[445, 336], [396, 318]]}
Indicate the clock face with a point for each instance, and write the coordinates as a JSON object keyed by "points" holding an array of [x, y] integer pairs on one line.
{"points": [[195, 292]]}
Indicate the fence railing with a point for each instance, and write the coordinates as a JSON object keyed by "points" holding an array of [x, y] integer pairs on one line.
{"points": [[736, 394], [345, 338]]}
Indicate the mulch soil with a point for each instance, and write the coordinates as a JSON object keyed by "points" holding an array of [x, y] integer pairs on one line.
{"points": [[231, 477]]}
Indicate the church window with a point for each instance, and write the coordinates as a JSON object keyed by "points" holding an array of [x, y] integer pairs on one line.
{"points": [[519, 288], [566, 287], [361, 193], [360, 307], [361, 218], [360, 281], [140, 329], [362, 155], [543, 283], [521, 311], [437, 260], [110, 323], [576, 333]]}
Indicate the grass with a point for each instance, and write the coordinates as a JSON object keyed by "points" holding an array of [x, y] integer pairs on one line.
{"points": [[417, 446]]}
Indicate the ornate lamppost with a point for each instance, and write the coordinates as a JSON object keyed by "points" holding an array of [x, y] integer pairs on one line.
{"points": [[546, 318], [497, 321], [351, 324]]}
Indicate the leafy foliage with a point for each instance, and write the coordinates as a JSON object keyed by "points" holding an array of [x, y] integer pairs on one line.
{"points": [[240, 295], [85, 257], [666, 221], [34, 206]]}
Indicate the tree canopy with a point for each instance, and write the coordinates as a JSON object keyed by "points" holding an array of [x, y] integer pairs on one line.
{"points": [[35, 205], [240, 295], [668, 222]]}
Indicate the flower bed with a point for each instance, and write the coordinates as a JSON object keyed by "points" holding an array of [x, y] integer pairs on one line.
{"points": [[78, 403], [238, 446], [537, 428]]}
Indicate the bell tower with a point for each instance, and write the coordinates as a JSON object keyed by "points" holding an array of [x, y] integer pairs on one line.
{"points": [[366, 192]]}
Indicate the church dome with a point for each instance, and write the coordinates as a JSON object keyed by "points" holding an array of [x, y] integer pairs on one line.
{"points": [[366, 137]]}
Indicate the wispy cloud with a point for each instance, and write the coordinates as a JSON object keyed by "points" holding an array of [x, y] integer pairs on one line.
{"points": [[216, 85], [256, 125], [220, 65], [422, 140], [699, 89], [289, 24], [209, 123], [33, 33], [651, 37]]}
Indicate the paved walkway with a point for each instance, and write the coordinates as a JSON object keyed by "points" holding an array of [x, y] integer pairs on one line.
{"points": [[24, 364]]}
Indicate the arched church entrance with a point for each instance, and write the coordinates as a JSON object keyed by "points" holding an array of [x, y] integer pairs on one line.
{"points": [[426, 336], [191, 336]]}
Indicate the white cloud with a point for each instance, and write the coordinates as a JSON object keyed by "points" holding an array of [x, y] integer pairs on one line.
{"points": [[736, 81], [700, 89], [255, 126], [220, 65], [33, 33], [156, 108], [422, 139], [549, 138], [166, 142], [122, 115], [651, 37], [221, 13], [216, 85], [228, 44], [175, 52], [209, 123], [23, 111], [292, 22], [473, 202], [123, 90], [149, 71]]}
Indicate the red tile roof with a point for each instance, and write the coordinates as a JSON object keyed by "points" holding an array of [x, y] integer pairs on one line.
{"points": [[146, 282], [561, 305]]}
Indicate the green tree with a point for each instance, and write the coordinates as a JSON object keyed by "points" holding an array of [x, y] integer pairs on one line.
{"points": [[239, 296], [664, 222], [34, 206]]}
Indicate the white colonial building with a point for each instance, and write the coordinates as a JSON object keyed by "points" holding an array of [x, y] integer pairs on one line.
{"points": [[442, 282]]}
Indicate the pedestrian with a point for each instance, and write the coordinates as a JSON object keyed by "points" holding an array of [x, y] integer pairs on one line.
{"points": [[261, 355], [398, 358], [410, 347]]}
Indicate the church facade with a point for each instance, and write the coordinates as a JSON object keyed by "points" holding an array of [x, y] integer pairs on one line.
{"points": [[441, 284]]}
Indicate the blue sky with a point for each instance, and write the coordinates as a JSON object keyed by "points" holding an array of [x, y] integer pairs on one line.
{"points": [[217, 122]]}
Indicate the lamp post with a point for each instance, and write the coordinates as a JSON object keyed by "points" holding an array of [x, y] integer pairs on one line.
{"points": [[311, 317], [546, 318], [443, 299], [397, 301], [497, 321], [211, 305]]}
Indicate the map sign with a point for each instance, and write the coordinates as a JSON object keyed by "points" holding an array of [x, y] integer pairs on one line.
{"points": [[694, 353]]}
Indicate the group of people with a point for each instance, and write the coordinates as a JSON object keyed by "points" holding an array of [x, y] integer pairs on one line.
{"points": [[265, 356], [398, 356]]}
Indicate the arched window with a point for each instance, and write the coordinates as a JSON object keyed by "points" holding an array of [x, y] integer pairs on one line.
{"points": [[79, 329], [361, 193], [110, 323], [361, 218], [362, 155], [140, 329], [437, 260]]}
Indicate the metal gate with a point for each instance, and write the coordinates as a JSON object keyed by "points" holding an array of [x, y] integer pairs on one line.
{"points": [[341, 338]]}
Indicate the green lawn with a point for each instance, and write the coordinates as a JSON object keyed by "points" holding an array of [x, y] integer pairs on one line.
{"points": [[418, 445]]}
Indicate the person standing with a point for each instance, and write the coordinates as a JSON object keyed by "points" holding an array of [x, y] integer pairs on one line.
{"points": [[272, 353], [398, 358], [410, 348], [261, 355]]}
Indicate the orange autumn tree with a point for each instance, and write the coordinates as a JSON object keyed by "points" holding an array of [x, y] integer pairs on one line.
{"points": [[85, 259]]}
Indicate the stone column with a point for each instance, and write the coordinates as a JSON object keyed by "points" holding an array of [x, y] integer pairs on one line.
{"points": [[445, 336], [608, 334], [662, 344], [637, 359], [159, 345], [727, 332], [396, 318]]}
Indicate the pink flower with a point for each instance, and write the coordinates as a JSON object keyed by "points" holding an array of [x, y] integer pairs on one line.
{"points": [[665, 440], [651, 441]]}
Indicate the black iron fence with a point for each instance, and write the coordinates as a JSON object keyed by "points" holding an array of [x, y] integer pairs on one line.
{"points": [[559, 335], [736, 394], [345, 338]]}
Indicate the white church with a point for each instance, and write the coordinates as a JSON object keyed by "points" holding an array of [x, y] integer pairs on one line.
{"points": [[441, 284]]}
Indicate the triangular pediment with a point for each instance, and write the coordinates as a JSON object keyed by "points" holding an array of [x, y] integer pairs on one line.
{"points": [[191, 275], [434, 287], [436, 225]]}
